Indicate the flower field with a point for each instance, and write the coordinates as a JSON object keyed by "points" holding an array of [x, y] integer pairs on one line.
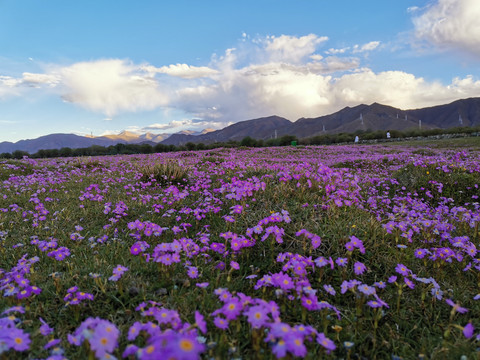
{"points": [[312, 252]]}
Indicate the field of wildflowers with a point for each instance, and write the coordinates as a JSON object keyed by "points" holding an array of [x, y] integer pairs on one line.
{"points": [[314, 252]]}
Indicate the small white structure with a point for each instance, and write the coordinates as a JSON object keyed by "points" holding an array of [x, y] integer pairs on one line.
{"points": [[388, 134], [356, 139]]}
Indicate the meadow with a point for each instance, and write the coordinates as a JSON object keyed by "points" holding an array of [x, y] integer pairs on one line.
{"points": [[342, 252]]}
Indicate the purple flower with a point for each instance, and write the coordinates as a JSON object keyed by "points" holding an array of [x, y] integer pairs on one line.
{"points": [[359, 268], [328, 344], [284, 281], [234, 265], [420, 253], [456, 307], [341, 262], [257, 316], [17, 339], [118, 272], [402, 270], [409, 283], [232, 309], [202, 285], [329, 289], [356, 243], [200, 321], [437, 292], [392, 279], [468, 330], [366, 290], [45, 329], [220, 323], [192, 272], [295, 345], [279, 349], [52, 343], [316, 241], [104, 338], [134, 330]]}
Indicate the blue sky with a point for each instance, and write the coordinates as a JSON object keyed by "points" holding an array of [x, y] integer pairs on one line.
{"points": [[105, 66]]}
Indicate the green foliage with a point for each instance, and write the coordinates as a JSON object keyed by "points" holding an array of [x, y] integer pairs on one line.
{"points": [[417, 325]]}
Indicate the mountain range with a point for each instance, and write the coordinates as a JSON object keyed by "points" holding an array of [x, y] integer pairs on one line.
{"points": [[465, 112]]}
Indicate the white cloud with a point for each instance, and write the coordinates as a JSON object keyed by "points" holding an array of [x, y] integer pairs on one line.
{"points": [[451, 24], [316, 57], [110, 87], [292, 49], [171, 125], [333, 51], [37, 80], [9, 86], [372, 45], [282, 75], [183, 71]]}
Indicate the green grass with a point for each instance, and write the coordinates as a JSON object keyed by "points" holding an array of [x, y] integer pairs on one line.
{"points": [[415, 322]]}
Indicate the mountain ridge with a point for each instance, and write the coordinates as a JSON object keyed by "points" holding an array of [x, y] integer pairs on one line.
{"points": [[463, 112]]}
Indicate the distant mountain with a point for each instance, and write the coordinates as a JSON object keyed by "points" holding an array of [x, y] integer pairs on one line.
{"points": [[465, 112], [262, 128], [376, 116], [54, 141], [133, 138], [362, 117]]}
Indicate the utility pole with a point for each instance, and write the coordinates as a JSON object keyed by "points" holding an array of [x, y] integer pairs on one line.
{"points": [[420, 124], [460, 119], [361, 118]]}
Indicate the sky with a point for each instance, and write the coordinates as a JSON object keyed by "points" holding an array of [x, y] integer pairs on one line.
{"points": [[100, 67]]}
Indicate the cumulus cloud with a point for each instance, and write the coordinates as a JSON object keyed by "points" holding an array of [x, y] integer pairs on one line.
{"points": [[110, 87], [282, 75], [292, 49], [451, 24]]}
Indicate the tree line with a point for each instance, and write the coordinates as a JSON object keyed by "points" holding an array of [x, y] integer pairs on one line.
{"points": [[285, 140]]}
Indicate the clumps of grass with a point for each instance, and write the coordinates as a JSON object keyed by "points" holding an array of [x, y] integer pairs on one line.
{"points": [[438, 181], [212, 159], [170, 172], [424, 152], [87, 163], [349, 164]]}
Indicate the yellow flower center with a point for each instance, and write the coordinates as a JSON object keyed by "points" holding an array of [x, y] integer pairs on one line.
{"points": [[186, 345]]}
